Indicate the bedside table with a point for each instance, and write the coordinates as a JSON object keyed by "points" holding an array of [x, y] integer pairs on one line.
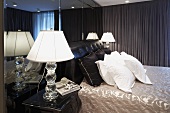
{"points": [[15, 98], [69, 103]]}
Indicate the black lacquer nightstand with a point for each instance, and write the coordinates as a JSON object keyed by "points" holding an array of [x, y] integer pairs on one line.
{"points": [[69, 103], [15, 98]]}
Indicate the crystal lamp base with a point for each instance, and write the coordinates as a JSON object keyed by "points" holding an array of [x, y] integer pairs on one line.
{"points": [[19, 63], [50, 88]]}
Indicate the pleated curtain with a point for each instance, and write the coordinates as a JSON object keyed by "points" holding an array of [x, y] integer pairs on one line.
{"points": [[141, 29]]}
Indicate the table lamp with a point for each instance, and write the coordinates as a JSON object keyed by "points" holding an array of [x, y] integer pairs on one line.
{"points": [[92, 36], [107, 37], [17, 44], [50, 47]]}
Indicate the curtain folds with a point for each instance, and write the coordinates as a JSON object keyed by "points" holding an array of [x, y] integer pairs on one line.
{"points": [[141, 29], [56, 18], [168, 37], [92, 21], [42, 21], [78, 21], [18, 20], [72, 24]]}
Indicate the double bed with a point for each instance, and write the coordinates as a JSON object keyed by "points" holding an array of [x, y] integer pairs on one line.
{"points": [[105, 98]]}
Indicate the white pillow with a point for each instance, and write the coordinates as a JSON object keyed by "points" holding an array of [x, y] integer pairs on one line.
{"points": [[103, 71], [138, 71], [113, 59], [108, 59], [126, 56], [136, 67], [123, 77], [115, 53]]}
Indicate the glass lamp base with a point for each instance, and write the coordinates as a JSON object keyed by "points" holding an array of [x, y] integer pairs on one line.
{"points": [[19, 87], [50, 96], [107, 45], [50, 93], [19, 63]]}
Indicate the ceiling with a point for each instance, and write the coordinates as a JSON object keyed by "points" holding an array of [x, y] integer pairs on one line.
{"points": [[116, 2], [46, 5]]}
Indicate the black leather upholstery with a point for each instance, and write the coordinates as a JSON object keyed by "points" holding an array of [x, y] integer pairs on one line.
{"points": [[100, 54], [80, 49]]}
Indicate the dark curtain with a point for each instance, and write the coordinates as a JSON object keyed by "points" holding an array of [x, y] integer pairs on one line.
{"points": [[18, 20], [76, 21], [168, 11], [56, 20], [5, 18], [141, 29], [92, 21], [72, 24]]}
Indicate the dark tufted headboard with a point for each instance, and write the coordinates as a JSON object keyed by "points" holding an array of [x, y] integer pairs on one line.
{"points": [[80, 49]]}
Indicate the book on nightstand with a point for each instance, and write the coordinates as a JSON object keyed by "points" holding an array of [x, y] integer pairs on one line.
{"points": [[66, 86]]}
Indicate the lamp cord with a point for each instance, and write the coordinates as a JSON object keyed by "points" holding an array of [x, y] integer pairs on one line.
{"points": [[40, 81]]}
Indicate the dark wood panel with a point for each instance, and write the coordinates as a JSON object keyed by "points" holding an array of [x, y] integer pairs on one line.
{"points": [[2, 102]]}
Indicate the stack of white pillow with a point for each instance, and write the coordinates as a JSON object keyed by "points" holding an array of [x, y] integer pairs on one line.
{"points": [[121, 70]]}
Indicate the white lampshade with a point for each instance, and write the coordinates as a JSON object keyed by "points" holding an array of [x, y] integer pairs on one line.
{"points": [[50, 46], [17, 43], [5, 35], [92, 36], [107, 37]]}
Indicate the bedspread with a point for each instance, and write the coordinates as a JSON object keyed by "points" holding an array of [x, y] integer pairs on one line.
{"points": [[144, 98]]}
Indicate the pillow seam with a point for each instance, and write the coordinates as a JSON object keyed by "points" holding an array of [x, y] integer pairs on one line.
{"points": [[87, 73]]}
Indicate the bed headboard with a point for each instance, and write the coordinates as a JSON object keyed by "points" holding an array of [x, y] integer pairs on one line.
{"points": [[80, 49]]}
